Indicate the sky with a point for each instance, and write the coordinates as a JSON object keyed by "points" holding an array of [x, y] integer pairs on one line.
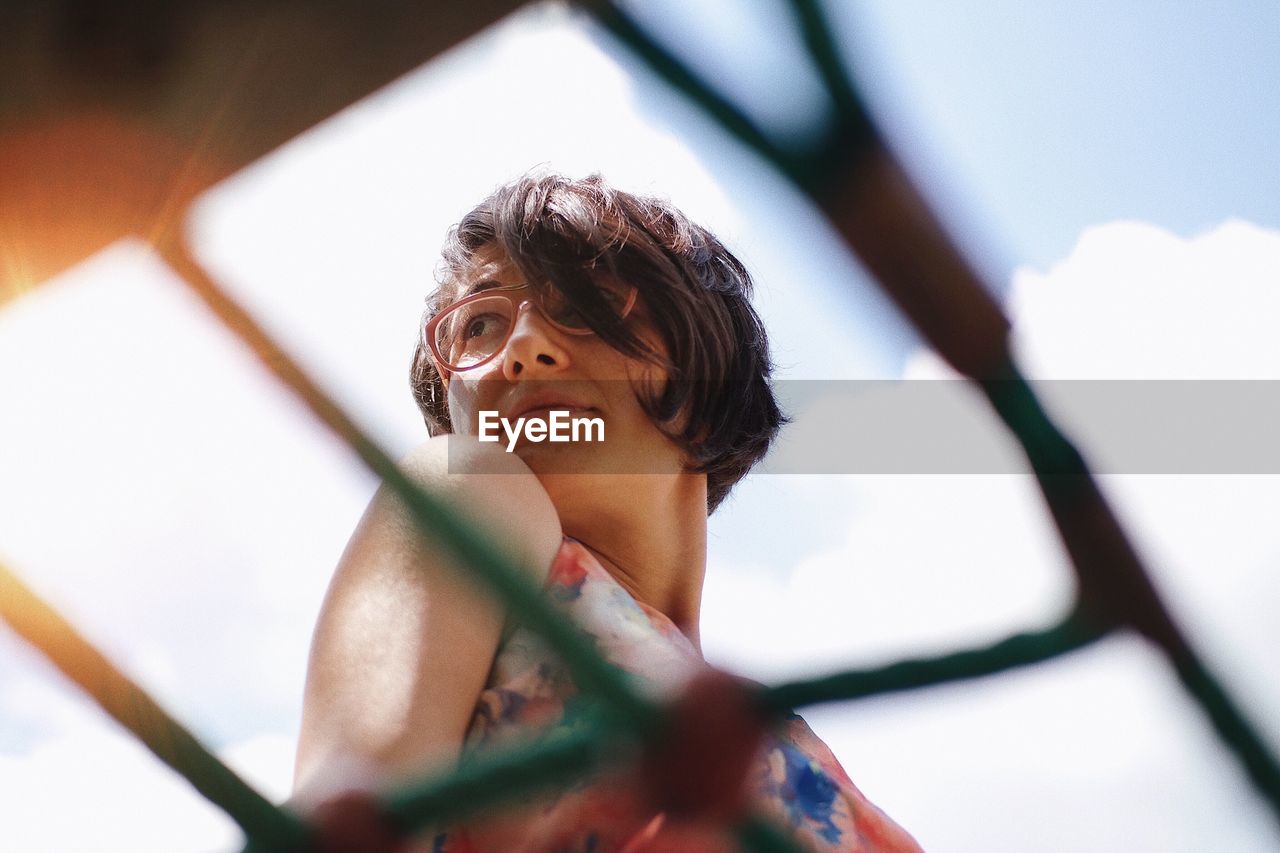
{"points": [[1107, 165]]}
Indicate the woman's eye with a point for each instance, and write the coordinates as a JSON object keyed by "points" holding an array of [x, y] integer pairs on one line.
{"points": [[479, 326]]}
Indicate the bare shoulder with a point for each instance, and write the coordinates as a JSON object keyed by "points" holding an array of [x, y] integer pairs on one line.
{"points": [[493, 488], [405, 638]]}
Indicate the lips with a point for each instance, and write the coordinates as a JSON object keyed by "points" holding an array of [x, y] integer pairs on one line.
{"points": [[545, 403]]}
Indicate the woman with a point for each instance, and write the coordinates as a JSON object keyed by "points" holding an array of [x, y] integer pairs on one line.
{"points": [[560, 295]]}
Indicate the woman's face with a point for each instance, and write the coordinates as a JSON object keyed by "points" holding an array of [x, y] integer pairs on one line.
{"points": [[542, 368]]}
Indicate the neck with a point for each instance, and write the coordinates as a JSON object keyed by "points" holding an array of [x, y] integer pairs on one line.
{"points": [[652, 537]]}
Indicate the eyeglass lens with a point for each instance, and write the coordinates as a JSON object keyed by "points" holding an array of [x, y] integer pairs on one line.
{"points": [[470, 333]]}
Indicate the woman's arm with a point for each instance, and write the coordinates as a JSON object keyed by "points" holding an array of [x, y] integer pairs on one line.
{"points": [[404, 640]]}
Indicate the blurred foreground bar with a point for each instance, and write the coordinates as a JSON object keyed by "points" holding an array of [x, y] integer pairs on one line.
{"points": [[114, 115]]}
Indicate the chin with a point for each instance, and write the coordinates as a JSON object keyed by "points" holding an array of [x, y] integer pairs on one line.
{"points": [[560, 459]]}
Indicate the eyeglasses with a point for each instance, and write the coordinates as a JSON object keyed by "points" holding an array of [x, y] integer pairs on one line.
{"points": [[471, 331]]}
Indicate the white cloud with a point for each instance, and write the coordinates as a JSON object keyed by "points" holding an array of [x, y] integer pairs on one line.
{"points": [[1136, 302], [85, 784], [91, 786], [93, 789], [913, 575]]}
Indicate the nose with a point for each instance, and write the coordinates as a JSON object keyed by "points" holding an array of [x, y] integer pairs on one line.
{"points": [[534, 348]]}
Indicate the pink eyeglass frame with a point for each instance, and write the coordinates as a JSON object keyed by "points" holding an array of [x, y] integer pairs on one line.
{"points": [[507, 293]]}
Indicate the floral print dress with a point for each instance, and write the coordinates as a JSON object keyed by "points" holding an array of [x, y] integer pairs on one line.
{"points": [[795, 780]]}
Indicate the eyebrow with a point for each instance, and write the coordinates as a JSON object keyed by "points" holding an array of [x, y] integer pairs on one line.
{"points": [[483, 284]]}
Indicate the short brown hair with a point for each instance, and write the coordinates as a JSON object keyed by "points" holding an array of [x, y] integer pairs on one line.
{"points": [[717, 404]]}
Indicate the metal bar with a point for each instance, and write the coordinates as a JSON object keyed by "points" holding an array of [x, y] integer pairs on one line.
{"points": [[855, 124], [491, 781], [1018, 650], [678, 75]]}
